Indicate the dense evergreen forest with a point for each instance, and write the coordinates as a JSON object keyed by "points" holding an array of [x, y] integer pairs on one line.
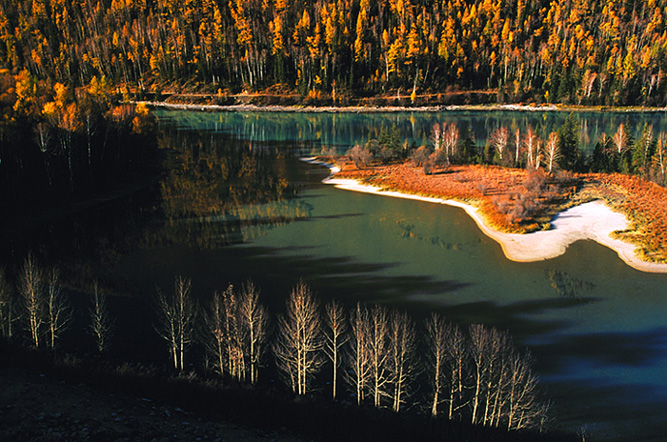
{"points": [[608, 52]]}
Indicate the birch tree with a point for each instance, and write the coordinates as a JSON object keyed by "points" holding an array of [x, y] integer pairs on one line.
{"points": [[254, 318], [500, 140], [299, 343], [216, 341], [379, 353], [552, 150], [457, 365], [100, 326], [58, 310], [402, 366], [335, 338], [360, 354], [31, 289], [176, 320], [530, 142]]}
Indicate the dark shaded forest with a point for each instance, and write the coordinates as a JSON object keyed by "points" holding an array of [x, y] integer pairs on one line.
{"points": [[607, 52]]}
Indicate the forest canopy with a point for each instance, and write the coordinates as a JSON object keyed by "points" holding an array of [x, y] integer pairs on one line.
{"points": [[609, 52]]}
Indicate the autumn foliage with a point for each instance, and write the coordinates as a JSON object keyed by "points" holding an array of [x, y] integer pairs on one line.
{"points": [[512, 200], [519, 201]]}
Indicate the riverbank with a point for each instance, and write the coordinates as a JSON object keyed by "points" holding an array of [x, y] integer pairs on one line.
{"points": [[302, 108], [588, 221]]}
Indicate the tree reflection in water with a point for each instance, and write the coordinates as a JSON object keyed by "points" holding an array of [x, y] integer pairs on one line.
{"points": [[218, 190]]}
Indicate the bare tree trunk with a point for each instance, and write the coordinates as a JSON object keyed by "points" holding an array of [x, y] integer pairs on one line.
{"points": [[402, 352], [478, 347], [436, 343], [254, 319], [31, 289], [456, 357], [100, 323], [298, 345], [360, 361], [336, 337], [379, 352], [217, 342], [59, 313], [176, 316]]}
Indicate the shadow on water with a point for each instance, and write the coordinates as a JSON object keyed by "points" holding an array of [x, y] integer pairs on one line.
{"points": [[637, 349], [618, 414], [513, 316]]}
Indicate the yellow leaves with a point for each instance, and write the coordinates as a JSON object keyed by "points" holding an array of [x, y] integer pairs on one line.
{"points": [[50, 108], [276, 28]]}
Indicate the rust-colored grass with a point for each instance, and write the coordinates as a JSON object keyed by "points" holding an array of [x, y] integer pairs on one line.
{"points": [[501, 194]]}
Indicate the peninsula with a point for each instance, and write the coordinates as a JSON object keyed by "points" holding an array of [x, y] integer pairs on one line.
{"points": [[613, 210]]}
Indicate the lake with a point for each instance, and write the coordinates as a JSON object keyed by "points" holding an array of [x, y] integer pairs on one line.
{"points": [[237, 204], [601, 349]]}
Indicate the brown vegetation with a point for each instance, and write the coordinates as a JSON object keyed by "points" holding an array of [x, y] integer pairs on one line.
{"points": [[520, 201]]}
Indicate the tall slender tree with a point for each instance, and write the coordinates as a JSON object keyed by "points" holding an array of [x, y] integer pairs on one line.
{"points": [[176, 319], [299, 341], [336, 337], [31, 289]]}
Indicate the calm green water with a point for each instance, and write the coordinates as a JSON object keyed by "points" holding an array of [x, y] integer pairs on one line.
{"points": [[235, 203], [601, 346], [343, 130]]}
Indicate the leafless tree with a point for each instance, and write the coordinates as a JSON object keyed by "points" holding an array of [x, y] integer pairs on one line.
{"points": [[335, 338], [479, 343], [450, 136], [176, 317], [298, 345], [379, 353], [360, 356], [457, 355], [7, 307], [620, 139], [216, 339], [660, 157], [234, 335], [552, 150], [254, 318], [31, 289], [524, 408], [402, 365], [500, 140], [435, 361], [58, 310], [517, 146], [101, 324], [530, 142]]}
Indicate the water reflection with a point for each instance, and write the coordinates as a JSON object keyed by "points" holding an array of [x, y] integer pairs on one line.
{"points": [[218, 190], [342, 130]]}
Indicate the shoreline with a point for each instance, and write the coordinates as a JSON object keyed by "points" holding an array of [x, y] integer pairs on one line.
{"points": [[589, 221], [389, 109]]}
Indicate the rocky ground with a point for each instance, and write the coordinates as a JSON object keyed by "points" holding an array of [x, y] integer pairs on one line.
{"points": [[38, 407]]}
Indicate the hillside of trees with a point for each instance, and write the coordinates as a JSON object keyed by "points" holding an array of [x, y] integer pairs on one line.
{"points": [[608, 52]]}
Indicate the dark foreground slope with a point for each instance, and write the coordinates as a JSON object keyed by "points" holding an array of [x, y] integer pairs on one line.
{"points": [[43, 398]]}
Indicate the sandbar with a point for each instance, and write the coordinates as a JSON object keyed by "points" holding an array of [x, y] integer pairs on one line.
{"points": [[589, 221]]}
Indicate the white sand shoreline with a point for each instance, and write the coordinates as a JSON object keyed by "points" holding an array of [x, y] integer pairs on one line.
{"points": [[590, 221]]}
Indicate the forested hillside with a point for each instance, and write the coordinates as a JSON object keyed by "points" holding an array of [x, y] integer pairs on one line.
{"points": [[608, 52]]}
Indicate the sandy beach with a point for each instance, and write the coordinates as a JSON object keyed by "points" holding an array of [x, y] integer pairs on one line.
{"points": [[590, 221]]}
